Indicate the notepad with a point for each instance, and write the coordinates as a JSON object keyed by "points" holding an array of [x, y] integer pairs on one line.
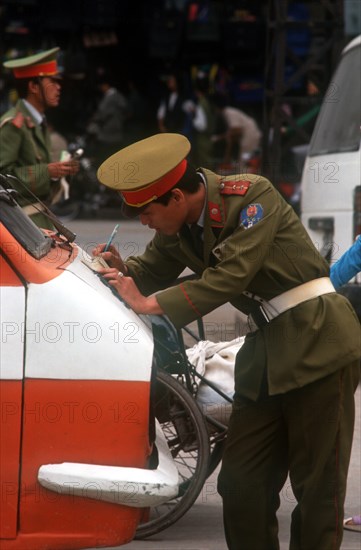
{"points": [[96, 263]]}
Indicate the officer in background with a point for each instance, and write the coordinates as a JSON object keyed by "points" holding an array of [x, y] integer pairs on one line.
{"points": [[298, 369], [24, 137]]}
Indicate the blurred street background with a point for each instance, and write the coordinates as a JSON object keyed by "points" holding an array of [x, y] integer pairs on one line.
{"points": [[270, 61]]}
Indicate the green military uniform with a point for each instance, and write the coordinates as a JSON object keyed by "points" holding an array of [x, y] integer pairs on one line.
{"points": [[25, 153], [294, 376], [297, 371], [266, 259], [24, 144]]}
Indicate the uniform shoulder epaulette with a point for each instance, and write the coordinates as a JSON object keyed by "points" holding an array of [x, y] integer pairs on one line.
{"points": [[5, 121], [234, 187], [18, 120]]}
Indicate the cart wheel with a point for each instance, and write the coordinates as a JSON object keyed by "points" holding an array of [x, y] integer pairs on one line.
{"points": [[215, 457], [186, 432]]}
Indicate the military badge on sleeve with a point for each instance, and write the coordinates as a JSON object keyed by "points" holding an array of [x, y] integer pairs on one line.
{"points": [[250, 215]]}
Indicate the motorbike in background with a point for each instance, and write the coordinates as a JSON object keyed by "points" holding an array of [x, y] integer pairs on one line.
{"points": [[87, 198]]}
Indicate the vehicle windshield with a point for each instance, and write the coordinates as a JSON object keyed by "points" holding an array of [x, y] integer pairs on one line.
{"points": [[338, 125], [28, 235]]}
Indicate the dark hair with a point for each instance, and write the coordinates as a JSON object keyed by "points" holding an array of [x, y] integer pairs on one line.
{"points": [[21, 85], [189, 182]]}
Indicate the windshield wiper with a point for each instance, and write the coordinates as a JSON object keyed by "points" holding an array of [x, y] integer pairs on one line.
{"points": [[62, 230]]}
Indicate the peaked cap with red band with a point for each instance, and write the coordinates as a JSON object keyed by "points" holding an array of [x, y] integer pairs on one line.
{"points": [[146, 170], [40, 64]]}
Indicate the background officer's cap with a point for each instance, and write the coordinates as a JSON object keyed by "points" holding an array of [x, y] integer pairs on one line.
{"points": [[146, 170], [40, 64]]}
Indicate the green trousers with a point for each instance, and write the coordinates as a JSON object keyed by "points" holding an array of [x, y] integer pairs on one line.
{"points": [[306, 433]]}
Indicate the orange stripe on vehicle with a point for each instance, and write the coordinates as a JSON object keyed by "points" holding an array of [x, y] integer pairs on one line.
{"points": [[10, 430], [32, 270], [8, 277], [86, 421]]}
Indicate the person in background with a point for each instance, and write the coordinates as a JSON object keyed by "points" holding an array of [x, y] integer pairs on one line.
{"points": [[138, 119], [353, 523], [242, 136], [203, 121], [293, 409], [347, 266], [107, 124], [340, 273], [171, 116], [25, 148]]}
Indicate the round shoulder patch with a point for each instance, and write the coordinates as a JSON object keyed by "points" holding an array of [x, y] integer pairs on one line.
{"points": [[250, 215]]}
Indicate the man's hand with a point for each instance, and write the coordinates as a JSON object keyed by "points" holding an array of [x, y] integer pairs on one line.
{"points": [[112, 257], [59, 170], [130, 293]]}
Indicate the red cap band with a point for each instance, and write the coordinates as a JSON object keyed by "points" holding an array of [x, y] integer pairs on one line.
{"points": [[140, 197], [41, 69]]}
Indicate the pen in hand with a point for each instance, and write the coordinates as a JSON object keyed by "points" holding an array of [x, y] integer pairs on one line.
{"points": [[111, 238]]}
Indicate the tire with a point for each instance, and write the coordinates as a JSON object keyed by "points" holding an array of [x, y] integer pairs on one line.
{"points": [[186, 432], [67, 210]]}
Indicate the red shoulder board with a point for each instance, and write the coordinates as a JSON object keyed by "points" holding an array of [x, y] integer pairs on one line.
{"points": [[18, 120], [236, 187]]}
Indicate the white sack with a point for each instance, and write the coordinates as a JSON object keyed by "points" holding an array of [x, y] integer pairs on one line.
{"points": [[215, 361]]}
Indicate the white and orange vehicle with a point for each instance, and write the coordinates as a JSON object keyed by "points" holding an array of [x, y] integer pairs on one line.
{"points": [[75, 382]]}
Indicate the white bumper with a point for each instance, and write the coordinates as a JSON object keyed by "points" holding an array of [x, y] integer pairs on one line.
{"points": [[134, 487]]}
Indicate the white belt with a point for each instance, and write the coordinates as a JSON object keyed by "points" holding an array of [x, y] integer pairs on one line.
{"points": [[289, 299], [34, 208]]}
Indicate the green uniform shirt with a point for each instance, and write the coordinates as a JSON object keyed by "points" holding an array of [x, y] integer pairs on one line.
{"points": [[253, 241], [25, 154]]}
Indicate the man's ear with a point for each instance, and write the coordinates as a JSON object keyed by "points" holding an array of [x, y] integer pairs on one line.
{"points": [[33, 86], [177, 194]]}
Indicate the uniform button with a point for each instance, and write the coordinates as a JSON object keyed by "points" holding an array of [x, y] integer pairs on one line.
{"points": [[222, 186], [214, 211]]}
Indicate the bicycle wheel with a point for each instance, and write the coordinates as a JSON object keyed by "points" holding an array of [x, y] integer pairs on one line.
{"points": [[186, 432]]}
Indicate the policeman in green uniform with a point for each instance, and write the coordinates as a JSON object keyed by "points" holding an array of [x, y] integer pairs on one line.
{"points": [[24, 138], [297, 371]]}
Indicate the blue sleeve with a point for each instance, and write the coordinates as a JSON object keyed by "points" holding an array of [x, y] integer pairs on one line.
{"points": [[347, 266]]}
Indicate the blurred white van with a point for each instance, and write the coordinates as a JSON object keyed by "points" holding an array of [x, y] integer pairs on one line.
{"points": [[331, 180]]}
